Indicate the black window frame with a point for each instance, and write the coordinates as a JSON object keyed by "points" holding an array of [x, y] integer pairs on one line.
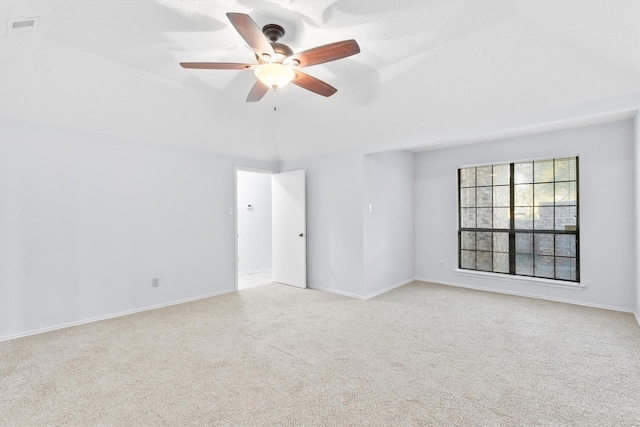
{"points": [[513, 231]]}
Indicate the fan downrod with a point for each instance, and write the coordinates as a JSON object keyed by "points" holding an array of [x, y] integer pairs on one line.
{"points": [[273, 32]]}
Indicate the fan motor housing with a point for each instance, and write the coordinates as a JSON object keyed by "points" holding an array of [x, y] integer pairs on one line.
{"points": [[281, 50]]}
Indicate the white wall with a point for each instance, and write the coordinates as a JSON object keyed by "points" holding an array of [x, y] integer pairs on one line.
{"points": [[334, 221], [636, 127], [254, 224], [349, 250], [86, 221], [607, 211], [388, 229]]}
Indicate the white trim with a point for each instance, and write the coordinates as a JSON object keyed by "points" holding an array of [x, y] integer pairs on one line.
{"points": [[524, 279], [111, 316], [256, 170], [363, 297], [333, 291], [524, 294], [260, 270], [637, 314], [397, 285]]}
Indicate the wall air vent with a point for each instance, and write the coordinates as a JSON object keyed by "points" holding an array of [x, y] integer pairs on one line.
{"points": [[22, 26]]}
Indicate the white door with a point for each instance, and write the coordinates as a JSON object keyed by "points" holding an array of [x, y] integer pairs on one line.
{"points": [[289, 228]]}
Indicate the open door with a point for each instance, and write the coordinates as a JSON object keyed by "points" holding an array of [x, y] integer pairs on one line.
{"points": [[289, 216]]}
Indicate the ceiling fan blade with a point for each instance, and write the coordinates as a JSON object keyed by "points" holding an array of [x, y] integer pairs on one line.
{"points": [[251, 33], [325, 53], [314, 85], [257, 91], [217, 65]]}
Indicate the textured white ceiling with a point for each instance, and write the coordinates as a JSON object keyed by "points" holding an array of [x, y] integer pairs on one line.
{"points": [[426, 68]]}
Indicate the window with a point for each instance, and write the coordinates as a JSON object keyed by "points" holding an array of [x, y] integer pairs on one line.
{"points": [[520, 219]]}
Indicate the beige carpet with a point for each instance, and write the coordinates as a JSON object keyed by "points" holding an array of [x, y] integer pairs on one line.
{"points": [[422, 354]]}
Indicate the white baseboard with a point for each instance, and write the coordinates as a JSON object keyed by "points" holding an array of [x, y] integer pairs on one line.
{"points": [[363, 297], [637, 314], [397, 285], [109, 316], [261, 270], [524, 294], [333, 291]]}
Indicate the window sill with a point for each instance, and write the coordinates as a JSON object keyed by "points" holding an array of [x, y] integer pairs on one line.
{"points": [[521, 279]]}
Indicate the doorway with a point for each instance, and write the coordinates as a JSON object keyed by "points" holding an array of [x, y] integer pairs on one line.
{"points": [[271, 235], [254, 228]]}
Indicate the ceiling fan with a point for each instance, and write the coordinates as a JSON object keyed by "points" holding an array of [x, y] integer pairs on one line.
{"points": [[277, 64]]}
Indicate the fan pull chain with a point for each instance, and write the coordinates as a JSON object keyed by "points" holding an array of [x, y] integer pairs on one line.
{"points": [[275, 99]]}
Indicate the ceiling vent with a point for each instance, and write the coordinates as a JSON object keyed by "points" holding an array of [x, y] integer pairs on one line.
{"points": [[24, 26]]}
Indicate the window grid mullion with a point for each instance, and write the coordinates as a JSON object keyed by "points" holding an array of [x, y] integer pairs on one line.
{"points": [[492, 218], [555, 187], [512, 220]]}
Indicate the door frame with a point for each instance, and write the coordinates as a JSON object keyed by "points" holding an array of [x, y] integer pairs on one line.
{"points": [[235, 209]]}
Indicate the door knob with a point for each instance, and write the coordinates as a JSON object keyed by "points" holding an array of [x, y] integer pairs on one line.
{"points": [[300, 234]]}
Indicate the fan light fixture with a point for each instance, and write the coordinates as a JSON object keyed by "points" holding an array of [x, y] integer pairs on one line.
{"points": [[274, 74]]}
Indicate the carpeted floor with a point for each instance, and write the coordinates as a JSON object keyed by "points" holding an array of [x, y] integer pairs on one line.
{"points": [[420, 355]]}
